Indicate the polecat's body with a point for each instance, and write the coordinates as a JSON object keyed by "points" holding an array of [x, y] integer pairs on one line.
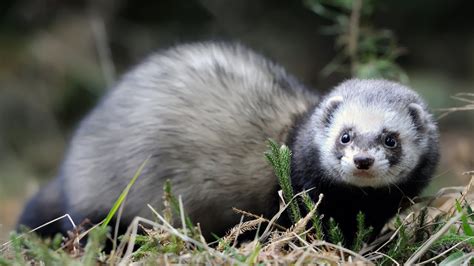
{"points": [[203, 113]]}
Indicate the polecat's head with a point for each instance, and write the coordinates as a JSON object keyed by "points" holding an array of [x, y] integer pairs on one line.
{"points": [[375, 132]]}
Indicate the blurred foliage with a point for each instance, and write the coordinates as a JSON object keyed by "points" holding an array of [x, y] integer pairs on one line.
{"points": [[364, 51]]}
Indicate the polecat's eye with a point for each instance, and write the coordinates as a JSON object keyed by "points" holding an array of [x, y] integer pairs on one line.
{"points": [[345, 138], [390, 142]]}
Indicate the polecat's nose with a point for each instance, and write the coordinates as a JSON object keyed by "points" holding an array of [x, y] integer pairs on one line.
{"points": [[363, 162]]}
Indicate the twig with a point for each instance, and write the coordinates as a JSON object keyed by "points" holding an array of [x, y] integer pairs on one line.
{"points": [[387, 256], [238, 229], [431, 240], [181, 212], [4, 245], [445, 252], [103, 50], [132, 233], [448, 111], [461, 99], [391, 237], [248, 214], [464, 193], [348, 251], [169, 228], [277, 215], [116, 229], [354, 34]]}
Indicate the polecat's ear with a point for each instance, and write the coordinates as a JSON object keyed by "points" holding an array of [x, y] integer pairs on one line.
{"points": [[330, 106], [418, 116]]}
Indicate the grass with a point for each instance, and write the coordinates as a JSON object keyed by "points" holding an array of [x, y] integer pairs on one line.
{"points": [[437, 229]]}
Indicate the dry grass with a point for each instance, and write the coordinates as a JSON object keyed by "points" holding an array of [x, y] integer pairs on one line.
{"points": [[466, 98], [437, 229], [434, 229]]}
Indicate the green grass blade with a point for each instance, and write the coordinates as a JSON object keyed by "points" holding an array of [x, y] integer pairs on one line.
{"points": [[465, 223], [453, 259], [123, 195], [252, 259], [469, 211]]}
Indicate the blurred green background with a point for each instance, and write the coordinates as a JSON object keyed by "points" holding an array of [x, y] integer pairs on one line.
{"points": [[58, 57]]}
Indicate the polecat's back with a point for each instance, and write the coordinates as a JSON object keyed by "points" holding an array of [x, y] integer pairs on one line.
{"points": [[203, 112]]}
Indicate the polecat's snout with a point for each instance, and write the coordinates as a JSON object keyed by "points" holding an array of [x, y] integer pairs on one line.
{"points": [[363, 161]]}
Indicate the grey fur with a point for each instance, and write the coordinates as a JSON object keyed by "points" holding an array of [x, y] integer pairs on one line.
{"points": [[203, 112]]}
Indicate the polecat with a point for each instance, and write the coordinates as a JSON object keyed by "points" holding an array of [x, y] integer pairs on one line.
{"points": [[204, 111], [366, 146]]}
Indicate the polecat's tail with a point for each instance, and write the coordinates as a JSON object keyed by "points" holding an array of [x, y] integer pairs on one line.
{"points": [[44, 207]]}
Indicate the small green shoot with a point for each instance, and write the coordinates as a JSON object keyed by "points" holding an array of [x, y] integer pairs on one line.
{"points": [[316, 221], [280, 159], [421, 221], [362, 234], [398, 247], [95, 244], [32, 247], [172, 207], [335, 233]]}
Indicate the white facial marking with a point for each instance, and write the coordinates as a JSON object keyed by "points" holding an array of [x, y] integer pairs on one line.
{"points": [[369, 120], [374, 176], [334, 100]]}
